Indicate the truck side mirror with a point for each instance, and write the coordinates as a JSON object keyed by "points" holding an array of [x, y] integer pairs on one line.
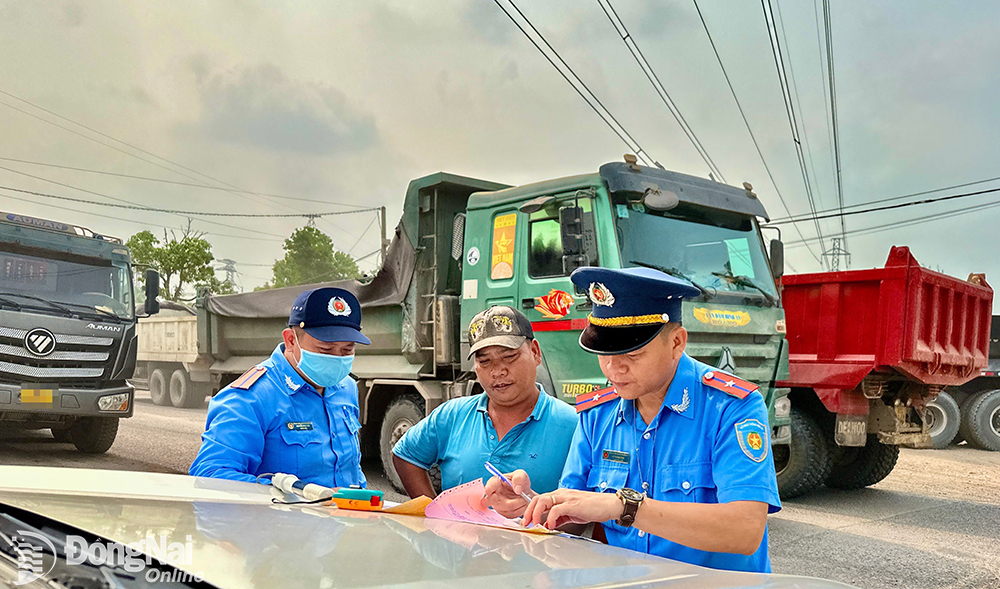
{"points": [[152, 291], [571, 232], [777, 258]]}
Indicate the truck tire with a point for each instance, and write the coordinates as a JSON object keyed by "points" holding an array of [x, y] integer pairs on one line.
{"points": [[401, 415], [805, 464], [981, 421], [158, 387], [183, 392], [855, 468], [94, 435], [62, 435], [943, 418]]}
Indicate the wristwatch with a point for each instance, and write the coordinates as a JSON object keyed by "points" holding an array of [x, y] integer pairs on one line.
{"points": [[631, 499]]}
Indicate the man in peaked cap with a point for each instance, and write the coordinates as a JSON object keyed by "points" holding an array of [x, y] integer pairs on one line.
{"points": [[673, 458], [512, 424], [297, 411]]}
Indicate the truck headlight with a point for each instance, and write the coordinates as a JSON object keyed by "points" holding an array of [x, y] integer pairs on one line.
{"points": [[782, 407], [117, 402]]}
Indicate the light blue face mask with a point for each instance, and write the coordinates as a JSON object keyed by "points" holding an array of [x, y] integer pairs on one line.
{"points": [[323, 369]]}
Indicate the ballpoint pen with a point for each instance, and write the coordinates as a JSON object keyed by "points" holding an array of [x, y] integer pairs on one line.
{"points": [[496, 472]]}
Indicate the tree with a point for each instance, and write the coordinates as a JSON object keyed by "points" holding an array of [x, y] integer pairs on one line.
{"points": [[180, 262], [309, 258]]}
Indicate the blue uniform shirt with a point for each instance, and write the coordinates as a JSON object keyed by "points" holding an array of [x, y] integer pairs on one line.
{"points": [[459, 436], [281, 424], [691, 452]]}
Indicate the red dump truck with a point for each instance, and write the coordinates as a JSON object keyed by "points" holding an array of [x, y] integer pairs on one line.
{"points": [[868, 349]]}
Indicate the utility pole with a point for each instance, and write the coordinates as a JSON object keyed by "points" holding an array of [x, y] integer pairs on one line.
{"points": [[229, 267], [385, 241]]}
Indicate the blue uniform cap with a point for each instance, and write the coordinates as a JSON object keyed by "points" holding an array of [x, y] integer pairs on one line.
{"points": [[329, 315], [630, 306]]}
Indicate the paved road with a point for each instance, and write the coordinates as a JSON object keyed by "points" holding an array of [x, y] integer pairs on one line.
{"points": [[933, 523]]}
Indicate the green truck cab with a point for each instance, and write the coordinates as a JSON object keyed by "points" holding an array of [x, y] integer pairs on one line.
{"points": [[464, 244], [531, 237]]}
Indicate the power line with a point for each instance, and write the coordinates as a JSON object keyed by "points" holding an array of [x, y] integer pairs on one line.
{"points": [[175, 182], [913, 221], [70, 186], [833, 109], [789, 109], [654, 79], [237, 189], [753, 138], [891, 199], [887, 208], [603, 112], [187, 213], [134, 222], [363, 234]]}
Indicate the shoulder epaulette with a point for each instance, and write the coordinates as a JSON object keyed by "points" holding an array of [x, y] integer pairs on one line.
{"points": [[248, 378], [728, 384], [585, 401]]}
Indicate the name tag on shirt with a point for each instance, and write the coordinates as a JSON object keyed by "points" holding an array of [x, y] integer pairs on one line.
{"points": [[299, 426], [615, 456]]}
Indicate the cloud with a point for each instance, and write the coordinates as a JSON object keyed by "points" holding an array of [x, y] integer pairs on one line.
{"points": [[262, 107]]}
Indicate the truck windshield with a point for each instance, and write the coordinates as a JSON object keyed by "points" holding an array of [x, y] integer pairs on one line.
{"points": [[720, 259], [103, 290]]}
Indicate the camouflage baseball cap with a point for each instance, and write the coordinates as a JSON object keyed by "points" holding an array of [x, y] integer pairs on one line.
{"points": [[499, 326]]}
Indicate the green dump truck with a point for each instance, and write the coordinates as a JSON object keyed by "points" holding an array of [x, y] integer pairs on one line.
{"points": [[463, 245], [67, 330]]}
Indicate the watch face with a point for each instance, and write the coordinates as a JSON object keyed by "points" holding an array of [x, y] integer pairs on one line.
{"points": [[631, 495]]}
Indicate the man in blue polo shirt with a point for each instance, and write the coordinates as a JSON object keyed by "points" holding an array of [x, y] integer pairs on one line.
{"points": [[514, 424]]}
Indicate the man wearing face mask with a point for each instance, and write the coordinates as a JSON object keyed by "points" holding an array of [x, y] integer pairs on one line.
{"points": [[297, 411]]}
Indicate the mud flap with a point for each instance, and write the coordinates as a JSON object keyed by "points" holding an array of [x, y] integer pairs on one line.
{"points": [[851, 430]]}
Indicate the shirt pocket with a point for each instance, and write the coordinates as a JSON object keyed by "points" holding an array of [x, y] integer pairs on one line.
{"points": [[607, 479], [692, 483], [302, 450]]}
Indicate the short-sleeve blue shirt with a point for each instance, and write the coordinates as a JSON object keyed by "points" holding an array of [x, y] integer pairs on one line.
{"points": [[281, 424], [459, 437], [690, 452]]}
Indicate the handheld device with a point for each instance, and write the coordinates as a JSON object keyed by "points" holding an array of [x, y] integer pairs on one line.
{"points": [[496, 472], [357, 499]]}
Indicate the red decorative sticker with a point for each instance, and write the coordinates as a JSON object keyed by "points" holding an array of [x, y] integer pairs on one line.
{"points": [[554, 305]]}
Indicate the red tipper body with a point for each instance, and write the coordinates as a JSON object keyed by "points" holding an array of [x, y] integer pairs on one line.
{"points": [[898, 320]]}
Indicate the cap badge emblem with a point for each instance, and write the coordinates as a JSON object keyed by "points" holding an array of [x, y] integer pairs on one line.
{"points": [[338, 307], [476, 329], [503, 323], [600, 295]]}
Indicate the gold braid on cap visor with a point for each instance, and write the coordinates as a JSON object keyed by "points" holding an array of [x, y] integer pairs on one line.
{"points": [[628, 321]]}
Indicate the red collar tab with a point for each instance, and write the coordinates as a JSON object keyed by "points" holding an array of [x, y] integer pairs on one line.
{"points": [[585, 401], [728, 383]]}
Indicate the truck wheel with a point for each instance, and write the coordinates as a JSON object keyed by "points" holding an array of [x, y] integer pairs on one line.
{"points": [[943, 419], [981, 421], [805, 464], [158, 387], [62, 435], [184, 393], [402, 414], [94, 435], [854, 468]]}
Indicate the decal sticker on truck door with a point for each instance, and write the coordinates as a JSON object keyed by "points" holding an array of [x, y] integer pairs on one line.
{"points": [[502, 259]]}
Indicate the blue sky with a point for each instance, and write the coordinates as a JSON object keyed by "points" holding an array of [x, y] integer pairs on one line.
{"points": [[345, 102]]}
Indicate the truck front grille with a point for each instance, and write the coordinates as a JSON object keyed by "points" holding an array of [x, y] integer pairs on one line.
{"points": [[75, 358]]}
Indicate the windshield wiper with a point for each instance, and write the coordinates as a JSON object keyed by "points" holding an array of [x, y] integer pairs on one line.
{"points": [[10, 303], [55, 306], [747, 282], [676, 274], [98, 313]]}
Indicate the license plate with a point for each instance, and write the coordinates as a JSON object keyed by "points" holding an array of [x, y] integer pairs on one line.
{"points": [[41, 395]]}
